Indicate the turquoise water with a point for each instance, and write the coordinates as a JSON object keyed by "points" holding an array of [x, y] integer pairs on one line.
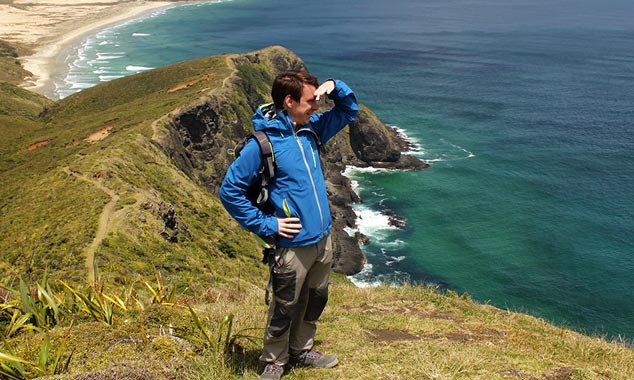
{"points": [[524, 109]]}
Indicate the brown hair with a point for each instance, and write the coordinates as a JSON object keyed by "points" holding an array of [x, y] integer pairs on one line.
{"points": [[291, 83]]}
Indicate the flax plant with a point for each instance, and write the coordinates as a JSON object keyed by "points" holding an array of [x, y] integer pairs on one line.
{"points": [[14, 367], [224, 340], [97, 304], [32, 307], [18, 322], [221, 341], [160, 293]]}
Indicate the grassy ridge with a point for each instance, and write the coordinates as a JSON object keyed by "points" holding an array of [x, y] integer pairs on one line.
{"points": [[103, 135], [87, 179]]}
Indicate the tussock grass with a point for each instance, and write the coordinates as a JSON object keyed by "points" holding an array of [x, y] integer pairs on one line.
{"points": [[61, 169], [409, 332]]}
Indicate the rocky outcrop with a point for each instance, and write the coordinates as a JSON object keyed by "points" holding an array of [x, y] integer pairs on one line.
{"points": [[201, 135], [375, 144]]}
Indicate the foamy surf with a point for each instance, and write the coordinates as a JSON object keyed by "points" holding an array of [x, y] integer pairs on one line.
{"points": [[365, 279], [442, 151], [107, 78], [93, 61], [105, 56], [137, 68], [378, 224]]}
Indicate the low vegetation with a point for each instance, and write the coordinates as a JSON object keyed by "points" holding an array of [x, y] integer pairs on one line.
{"points": [[409, 332], [118, 264], [10, 68]]}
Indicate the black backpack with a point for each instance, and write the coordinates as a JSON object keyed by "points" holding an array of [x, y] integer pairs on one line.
{"points": [[258, 192]]}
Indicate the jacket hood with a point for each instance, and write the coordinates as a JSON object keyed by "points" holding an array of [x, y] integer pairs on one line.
{"points": [[266, 118]]}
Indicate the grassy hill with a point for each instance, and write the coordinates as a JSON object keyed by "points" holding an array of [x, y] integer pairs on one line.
{"points": [[10, 68], [120, 263], [62, 169]]}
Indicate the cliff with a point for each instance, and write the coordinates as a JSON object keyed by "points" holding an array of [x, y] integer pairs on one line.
{"points": [[201, 134], [118, 261], [111, 149]]}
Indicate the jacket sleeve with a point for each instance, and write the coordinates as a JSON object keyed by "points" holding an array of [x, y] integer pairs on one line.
{"points": [[241, 174], [346, 108]]}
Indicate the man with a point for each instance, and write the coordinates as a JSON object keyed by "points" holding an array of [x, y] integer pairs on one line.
{"points": [[301, 221]]}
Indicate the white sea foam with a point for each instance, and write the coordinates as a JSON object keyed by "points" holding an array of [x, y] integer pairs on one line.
{"points": [[468, 153], [104, 56], [394, 244], [350, 170], [106, 78], [447, 151], [354, 184], [376, 226], [350, 231], [364, 279], [394, 260], [415, 145], [372, 222], [137, 68], [437, 154], [87, 56], [103, 70]]}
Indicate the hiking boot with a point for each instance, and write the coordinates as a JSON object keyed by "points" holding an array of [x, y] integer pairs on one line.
{"points": [[314, 358], [272, 371]]}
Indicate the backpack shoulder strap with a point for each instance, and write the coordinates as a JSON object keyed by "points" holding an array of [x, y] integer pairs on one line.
{"points": [[267, 172], [268, 157]]}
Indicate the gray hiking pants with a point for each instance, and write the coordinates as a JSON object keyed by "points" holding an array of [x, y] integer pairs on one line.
{"points": [[300, 293]]}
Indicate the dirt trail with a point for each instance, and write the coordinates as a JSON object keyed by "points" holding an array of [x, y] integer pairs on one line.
{"points": [[102, 226]]}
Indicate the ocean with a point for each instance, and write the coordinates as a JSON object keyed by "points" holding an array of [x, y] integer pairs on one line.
{"points": [[523, 108]]}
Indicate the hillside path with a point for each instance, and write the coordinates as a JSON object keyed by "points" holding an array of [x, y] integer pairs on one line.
{"points": [[102, 225]]}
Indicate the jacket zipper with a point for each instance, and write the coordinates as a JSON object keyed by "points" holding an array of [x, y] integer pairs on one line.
{"points": [[314, 159], [312, 182]]}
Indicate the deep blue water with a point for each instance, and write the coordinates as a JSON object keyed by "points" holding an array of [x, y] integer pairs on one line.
{"points": [[525, 110]]}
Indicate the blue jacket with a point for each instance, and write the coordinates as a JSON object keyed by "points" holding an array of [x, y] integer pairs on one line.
{"points": [[298, 189]]}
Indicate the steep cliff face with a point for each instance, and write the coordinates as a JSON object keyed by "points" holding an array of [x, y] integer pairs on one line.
{"points": [[87, 186], [202, 134]]}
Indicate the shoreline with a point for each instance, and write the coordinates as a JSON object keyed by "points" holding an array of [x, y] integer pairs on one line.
{"points": [[74, 24]]}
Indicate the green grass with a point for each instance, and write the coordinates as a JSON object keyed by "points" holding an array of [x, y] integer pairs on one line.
{"points": [[59, 196], [10, 68], [410, 332], [51, 224]]}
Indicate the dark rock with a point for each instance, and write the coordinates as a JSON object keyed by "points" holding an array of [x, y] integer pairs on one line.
{"points": [[361, 238], [371, 141], [201, 136], [394, 220], [349, 259]]}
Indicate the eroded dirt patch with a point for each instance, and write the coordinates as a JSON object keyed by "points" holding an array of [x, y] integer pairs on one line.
{"points": [[38, 144], [405, 309], [205, 77], [99, 135], [387, 335]]}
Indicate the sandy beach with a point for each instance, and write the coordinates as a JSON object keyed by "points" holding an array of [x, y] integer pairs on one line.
{"points": [[47, 27]]}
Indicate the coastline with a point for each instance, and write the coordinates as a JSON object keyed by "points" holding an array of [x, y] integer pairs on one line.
{"points": [[31, 26]]}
